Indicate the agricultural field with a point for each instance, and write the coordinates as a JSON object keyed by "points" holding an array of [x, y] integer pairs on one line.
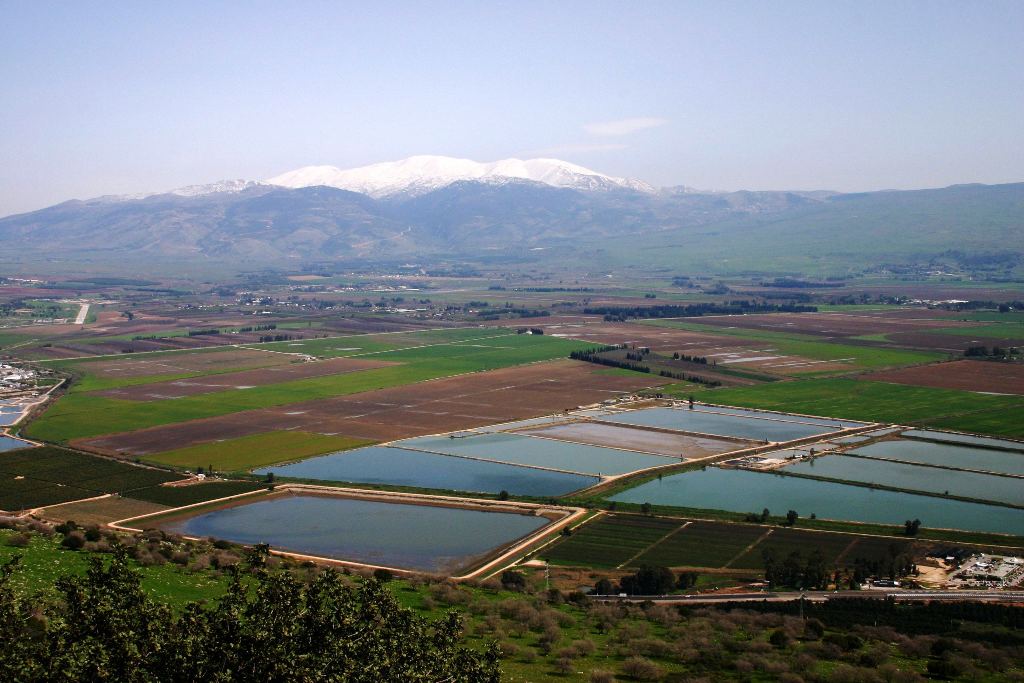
{"points": [[622, 541], [826, 357], [883, 402], [256, 450], [34, 477], [610, 540], [176, 496], [967, 375], [78, 415], [370, 412]]}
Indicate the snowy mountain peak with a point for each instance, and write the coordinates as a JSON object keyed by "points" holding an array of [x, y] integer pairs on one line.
{"points": [[421, 174]]}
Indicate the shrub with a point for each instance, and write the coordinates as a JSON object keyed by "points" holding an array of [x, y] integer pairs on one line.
{"points": [[92, 534], [779, 638], [513, 581], [74, 540], [383, 575], [642, 669], [18, 540], [601, 676]]}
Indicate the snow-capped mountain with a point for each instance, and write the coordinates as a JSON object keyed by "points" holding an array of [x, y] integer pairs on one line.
{"points": [[222, 186], [419, 175]]}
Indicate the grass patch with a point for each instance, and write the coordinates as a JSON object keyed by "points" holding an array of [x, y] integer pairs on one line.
{"points": [[256, 450], [882, 402]]}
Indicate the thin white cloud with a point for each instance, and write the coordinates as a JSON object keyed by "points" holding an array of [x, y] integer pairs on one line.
{"points": [[576, 149], [624, 126]]}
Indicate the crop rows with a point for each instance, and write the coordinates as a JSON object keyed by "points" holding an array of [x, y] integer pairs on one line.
{"points": [[782, 542], [701, 544], [52, 475], [611, 540], [176, 496]]}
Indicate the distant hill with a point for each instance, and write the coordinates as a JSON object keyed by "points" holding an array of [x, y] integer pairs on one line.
{"points": [[241, 223]]}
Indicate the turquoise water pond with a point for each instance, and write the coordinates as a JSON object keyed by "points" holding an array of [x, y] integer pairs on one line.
{"points": [[914, 477], [528, 450], [754, 428], [949, 455], [745, 491], [400, 467], [418, 537]]}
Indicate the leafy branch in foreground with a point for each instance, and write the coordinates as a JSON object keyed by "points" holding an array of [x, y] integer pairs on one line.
{"points": [[269, 626]]}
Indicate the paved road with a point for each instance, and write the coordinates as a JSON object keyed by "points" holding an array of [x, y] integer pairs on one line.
{"points": [[83, 313], [822, 596]]}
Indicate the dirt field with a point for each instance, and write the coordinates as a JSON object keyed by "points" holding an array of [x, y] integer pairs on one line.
{"points": [[969, 375], [431, 407], [101, 511], [839, 324], [634, 439], [741, 354], [140, 366], [243, 380]]}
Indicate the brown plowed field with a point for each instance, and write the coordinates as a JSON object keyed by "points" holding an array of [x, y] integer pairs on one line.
{"points": [[969, 375], [731, 352], [166, 364], [837, 324], [953, 343], [158, 391], [441, 405]]}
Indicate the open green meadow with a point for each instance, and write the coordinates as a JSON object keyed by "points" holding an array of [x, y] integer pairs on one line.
{"points": [[43, 561], [882, 402], [248, 452]]}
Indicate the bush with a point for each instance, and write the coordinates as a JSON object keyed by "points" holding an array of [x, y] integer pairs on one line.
{"points": [[383, 575], [779, 638], [92, 535], [18, 540], [601, 676], [513, 581], [642, 669], [74, 540]]}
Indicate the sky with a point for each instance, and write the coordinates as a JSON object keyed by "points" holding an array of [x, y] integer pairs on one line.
{"points": [[110, 98]]}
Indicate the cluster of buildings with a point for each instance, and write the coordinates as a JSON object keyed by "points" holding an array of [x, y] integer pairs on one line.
{"points": [[13, 378]]}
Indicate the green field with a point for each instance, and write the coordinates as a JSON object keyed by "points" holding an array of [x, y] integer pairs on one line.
{"points": [[248, 452], [701, 544], [881, 402], [635, 540], [813, 348], [34, 477], [610, 540], [43, 561], [83, 414]]}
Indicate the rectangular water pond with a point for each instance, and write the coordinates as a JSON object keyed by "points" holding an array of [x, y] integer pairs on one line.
{"points": [[401, 467], [743, 412], [964, 439], [755, 428], [914, 477], [406, 536], [946, 455], [528, 450], [614, 436], [9, 443], [744, 491]]}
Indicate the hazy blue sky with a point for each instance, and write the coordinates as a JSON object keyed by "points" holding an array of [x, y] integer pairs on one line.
{"points": [[102, 98]]}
